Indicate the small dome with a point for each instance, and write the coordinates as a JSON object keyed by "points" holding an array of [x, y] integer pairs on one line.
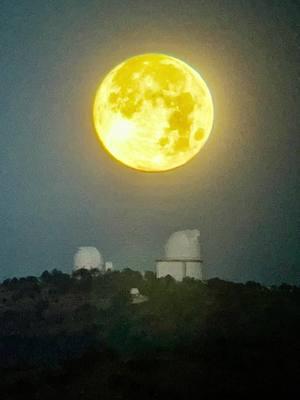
{"points": [[183, 245], [134, 291], [88, 258]]}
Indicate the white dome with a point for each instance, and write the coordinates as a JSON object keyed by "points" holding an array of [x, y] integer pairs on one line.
{"points": [[183, 245], [88, 258], [134, 291]]}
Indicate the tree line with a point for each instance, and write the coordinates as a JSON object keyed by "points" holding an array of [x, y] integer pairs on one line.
{"points": [[63, 332]]}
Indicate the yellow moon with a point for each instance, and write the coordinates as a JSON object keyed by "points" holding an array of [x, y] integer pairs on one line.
{"points": [[153, 112]]}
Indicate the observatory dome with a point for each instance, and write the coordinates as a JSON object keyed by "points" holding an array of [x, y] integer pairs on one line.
{"points": [[182, 256], [183, 245], [88, 258]]}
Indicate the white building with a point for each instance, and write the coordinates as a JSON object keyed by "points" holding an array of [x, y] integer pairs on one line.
{"points": [[88, 258], [108, 266], [182, 256], [137, 297]]}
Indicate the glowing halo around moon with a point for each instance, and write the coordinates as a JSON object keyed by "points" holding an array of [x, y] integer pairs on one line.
{"points": [[153, 112]]}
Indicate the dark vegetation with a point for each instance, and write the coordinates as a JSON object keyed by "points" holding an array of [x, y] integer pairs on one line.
{"points": [[81, 337]]}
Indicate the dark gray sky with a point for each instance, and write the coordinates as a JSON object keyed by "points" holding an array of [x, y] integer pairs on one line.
{"points": [[60, 190]]}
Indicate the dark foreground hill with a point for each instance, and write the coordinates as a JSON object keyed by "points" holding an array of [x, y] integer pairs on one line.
{"points": [[83, 337]]}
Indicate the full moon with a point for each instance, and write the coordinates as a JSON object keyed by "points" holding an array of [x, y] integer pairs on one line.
{"points": [[153, 112]]}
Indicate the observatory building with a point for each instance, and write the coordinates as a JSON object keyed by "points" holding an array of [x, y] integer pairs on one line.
{"points": [[182, 256], [90, 258]]}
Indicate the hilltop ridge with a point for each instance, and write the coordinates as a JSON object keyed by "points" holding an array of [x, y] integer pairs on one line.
{"points": [[216, 333]]}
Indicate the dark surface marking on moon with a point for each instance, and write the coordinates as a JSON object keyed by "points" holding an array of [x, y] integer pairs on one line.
{"points": [[131, 80]]}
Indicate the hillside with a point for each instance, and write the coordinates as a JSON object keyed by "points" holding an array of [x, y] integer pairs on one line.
{"points": [[83, 337]]}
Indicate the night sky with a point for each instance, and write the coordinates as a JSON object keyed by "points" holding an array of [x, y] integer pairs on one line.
{"points": [[60, 190]]}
